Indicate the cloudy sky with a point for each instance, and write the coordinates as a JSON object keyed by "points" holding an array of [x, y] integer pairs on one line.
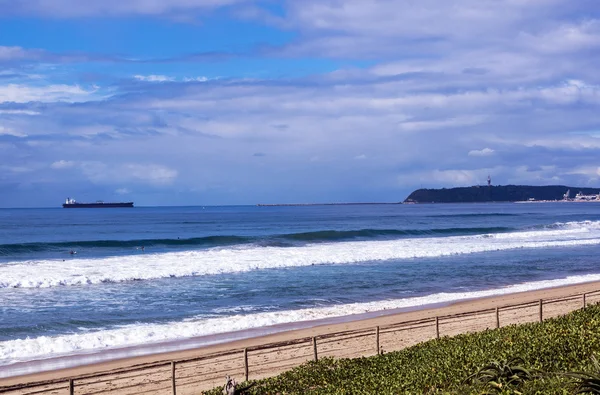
{"points": [[207, 102]]}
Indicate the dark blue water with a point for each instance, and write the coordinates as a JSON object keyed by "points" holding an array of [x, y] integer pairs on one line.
{"points": [[201, 266]]}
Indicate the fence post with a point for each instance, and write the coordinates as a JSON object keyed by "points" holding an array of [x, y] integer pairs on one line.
{"points": [[173, 377], [314, 342], [246, 370], [437, 328], [497, 318], [584, 300], [541, 310], [377, 340], [71, 387]]}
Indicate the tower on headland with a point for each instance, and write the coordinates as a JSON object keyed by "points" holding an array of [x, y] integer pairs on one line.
{"points": [[489, 181]]}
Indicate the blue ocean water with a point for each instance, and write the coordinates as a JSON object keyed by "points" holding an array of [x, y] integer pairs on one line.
{"points": [[150, 275]]}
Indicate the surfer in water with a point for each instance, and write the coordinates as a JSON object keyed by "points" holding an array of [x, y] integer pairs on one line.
{"points": [[72, 252]]}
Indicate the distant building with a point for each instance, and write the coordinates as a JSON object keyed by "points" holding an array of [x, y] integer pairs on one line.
{"points": [[581, 197]]}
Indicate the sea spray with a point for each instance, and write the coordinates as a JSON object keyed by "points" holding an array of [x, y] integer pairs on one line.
{"points": [[244, 258]]}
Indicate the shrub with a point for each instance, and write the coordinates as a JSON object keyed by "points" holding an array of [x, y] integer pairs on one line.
{"points": [[563, 344]]}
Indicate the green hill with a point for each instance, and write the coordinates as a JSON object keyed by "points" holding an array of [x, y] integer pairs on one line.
{"points": [[495, 193]]}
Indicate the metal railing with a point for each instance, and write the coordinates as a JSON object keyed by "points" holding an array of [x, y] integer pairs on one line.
{"points": [[191, 375]]}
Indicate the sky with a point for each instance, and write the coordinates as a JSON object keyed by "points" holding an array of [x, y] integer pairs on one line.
{"points": [[222, 102]]}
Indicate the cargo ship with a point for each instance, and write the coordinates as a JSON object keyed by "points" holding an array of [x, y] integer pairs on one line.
{"points": [[72, 203]]}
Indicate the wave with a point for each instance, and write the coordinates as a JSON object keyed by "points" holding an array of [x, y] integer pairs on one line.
{"points": [[215, 241], [29, 349], [244, 258], [476, 215], [11, 249], [333, 235]]}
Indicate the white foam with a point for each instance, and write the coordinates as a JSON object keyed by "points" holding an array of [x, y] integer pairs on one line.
{"points": [[79, 271], [44, 347]]}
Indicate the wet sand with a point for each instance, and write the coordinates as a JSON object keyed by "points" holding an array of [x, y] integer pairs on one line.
{"points": [[357, 337]]}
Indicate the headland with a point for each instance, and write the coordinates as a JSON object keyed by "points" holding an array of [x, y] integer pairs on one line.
{"points": [[505, 193]]}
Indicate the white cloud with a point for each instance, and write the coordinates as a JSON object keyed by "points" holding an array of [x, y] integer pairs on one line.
{"points": [[590, 171], [19, 93], [77, 8], [482, 152], [15, 53], [432, 26], [103, 173], [19, 112], [195, 79], [38, 143], [564, 38], [155, 174], [443, 78], [154, 78], [9, 132], [16, 169], [10, 52], [558, 142], [166, 78], [438, 124], [455, 177], [62, 164], [122, 191], [437, 177]]}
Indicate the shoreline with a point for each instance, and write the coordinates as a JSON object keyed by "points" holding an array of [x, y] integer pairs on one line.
{"points": [[287, 332]]}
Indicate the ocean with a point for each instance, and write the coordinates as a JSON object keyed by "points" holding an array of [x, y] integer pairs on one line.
{"points": [[150, 279]]}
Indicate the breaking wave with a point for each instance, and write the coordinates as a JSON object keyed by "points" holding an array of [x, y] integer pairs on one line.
{"points": [[215, 241], [42, 347], [244, 258]]}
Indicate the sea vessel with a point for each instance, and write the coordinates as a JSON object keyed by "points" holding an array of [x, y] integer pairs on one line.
{"points": [[72, 203]]}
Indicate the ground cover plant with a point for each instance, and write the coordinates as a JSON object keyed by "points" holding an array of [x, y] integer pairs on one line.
{"points": [[556, 356], [587, 382]]}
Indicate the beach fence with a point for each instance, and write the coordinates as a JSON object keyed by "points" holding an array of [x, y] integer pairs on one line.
{"points": [[193, 375]]}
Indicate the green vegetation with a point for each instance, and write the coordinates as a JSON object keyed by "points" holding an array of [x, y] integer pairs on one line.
{"points": [[501, 375], [588, 383], [553, 357], [495, 193]]}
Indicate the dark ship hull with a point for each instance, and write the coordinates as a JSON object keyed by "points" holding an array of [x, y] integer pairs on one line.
{"points": [[97, 205]]}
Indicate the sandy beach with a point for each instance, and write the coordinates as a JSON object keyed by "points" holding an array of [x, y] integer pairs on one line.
{"points": [[206, 367]]}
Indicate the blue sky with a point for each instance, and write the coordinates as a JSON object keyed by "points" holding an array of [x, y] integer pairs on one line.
{"points": [[208, 102]]}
